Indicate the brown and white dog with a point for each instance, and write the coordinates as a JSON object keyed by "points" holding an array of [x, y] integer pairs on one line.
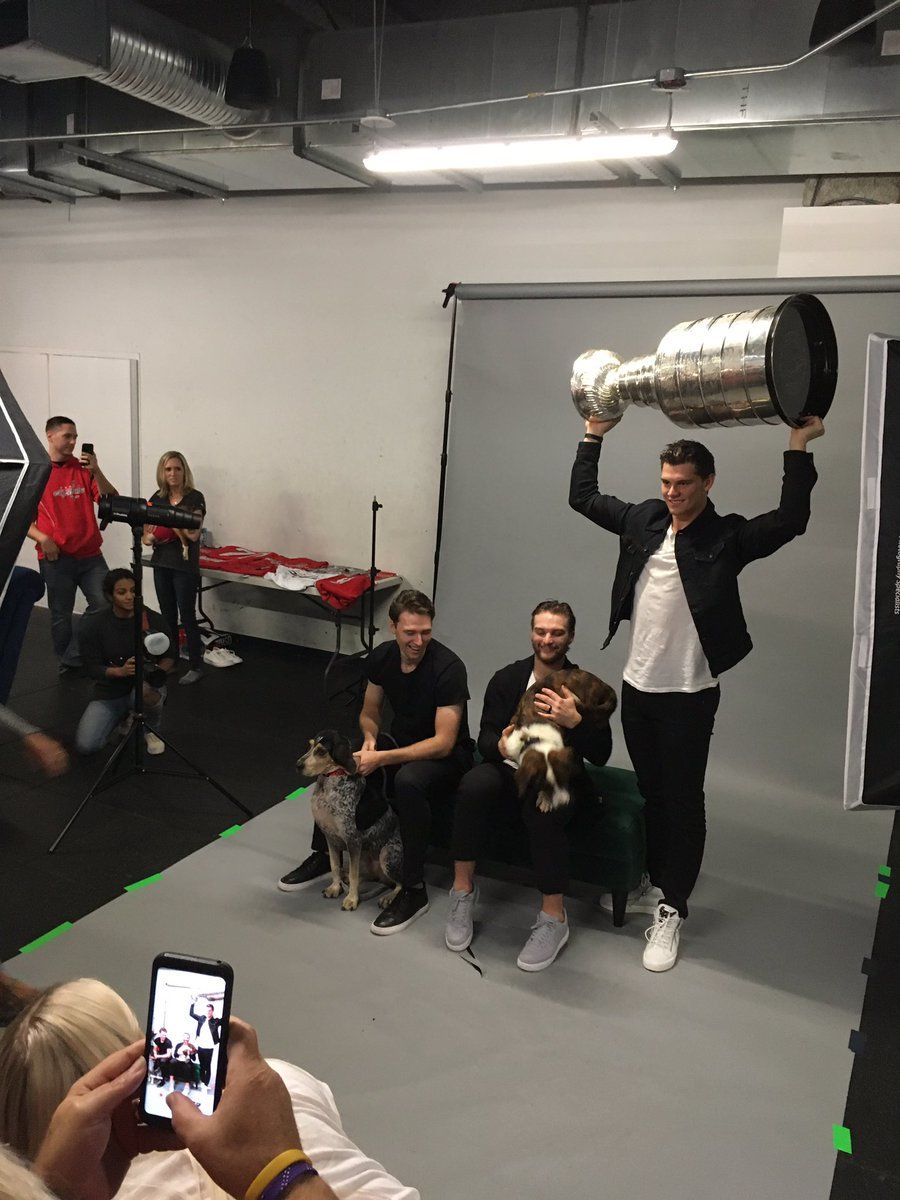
{"points": [[375, 853], [538, 745]]}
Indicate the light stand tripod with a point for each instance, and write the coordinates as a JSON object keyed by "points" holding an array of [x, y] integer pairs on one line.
{"points": [[352, 691], [108, 776]]}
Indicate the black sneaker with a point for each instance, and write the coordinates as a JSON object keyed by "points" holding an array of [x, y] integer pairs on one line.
{"points": [[407, 906], [311, 869]]}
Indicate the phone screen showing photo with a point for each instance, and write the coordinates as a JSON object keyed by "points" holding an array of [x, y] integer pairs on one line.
{"points": [[190, 1004]]}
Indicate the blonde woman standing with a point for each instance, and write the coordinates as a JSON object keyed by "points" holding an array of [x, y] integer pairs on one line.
{"points": [[176, 556]]}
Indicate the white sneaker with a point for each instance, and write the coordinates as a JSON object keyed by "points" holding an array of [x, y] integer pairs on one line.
{"points": [[220, 657], [154, 744], [663, 937], [644, 899]]}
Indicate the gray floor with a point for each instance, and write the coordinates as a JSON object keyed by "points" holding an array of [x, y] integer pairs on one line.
{"points": [[595, 1078]]}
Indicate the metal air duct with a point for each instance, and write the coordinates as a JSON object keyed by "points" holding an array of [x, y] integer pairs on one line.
{"points": [[125, 46]]}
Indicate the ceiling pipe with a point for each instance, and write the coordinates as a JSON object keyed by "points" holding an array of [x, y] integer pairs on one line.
{"points": [[353, 118]]}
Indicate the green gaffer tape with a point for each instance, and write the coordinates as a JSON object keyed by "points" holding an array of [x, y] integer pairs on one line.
{"points": [[841, 1136], [48, 937], [230, 832], [299, 792], [885, 871], [881, 890], [133, 887]]}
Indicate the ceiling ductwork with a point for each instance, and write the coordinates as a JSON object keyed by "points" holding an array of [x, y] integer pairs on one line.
{"points": [[751, 94], [123, 45]]}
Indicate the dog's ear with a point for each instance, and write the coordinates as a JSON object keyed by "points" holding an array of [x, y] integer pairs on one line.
{"points": [[343, 755], [531, 774]]}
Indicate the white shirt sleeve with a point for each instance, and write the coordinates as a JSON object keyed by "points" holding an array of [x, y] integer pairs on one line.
{"points": [[176, 1175]]}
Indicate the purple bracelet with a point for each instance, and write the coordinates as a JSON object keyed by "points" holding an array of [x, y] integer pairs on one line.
{"points": [[286, 1179]]}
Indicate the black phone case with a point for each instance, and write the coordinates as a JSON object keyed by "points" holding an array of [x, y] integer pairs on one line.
{"points": [[207, 966]]}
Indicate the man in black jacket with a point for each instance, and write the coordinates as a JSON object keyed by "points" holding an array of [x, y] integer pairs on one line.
{"points": [[489, 788], [209, 1032], [676, 582]]}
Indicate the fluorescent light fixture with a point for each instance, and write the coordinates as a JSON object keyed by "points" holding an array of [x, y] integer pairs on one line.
{"points": [[535, 152]]}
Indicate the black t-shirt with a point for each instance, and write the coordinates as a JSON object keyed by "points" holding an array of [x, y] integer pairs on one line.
{"points": [[161, 1046], [437, 682], [106, 640], [169, 553]]}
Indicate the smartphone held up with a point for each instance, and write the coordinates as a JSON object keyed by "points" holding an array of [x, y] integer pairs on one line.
{"points": [[187, 1033]]}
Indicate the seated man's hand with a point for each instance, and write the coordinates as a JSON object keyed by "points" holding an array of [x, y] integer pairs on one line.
{"points": [[561, 708], [367, 761], [94, 1133], [502, 748]]}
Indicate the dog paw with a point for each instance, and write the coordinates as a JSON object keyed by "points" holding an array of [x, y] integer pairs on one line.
{"points": [[384, 901], [544, 805], [332, 891], [351, 903]]}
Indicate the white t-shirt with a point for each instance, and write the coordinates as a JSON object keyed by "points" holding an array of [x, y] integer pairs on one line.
{"points": [[344, 1167], [511, 762], [664, 651]]}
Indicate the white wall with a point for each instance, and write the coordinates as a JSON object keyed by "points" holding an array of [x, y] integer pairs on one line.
{"points": [[295, 349]]}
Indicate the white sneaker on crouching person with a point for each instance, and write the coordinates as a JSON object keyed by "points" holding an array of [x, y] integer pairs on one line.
{"points": [[548, 936], [154, 744], [460, 920], [663, 937], [644, 899]]}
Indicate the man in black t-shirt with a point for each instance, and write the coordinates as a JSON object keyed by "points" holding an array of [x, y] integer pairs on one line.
{"points": [[161, 1054], [426, 755]]}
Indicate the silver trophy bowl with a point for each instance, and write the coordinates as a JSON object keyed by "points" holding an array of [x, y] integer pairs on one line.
{"points": [[771, 365]]}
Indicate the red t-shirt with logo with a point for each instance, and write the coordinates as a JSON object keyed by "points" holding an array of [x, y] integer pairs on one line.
{"points": [[66, 510]]}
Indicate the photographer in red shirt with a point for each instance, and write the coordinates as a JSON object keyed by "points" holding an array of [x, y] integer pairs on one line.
{"points": [[68, 537]]}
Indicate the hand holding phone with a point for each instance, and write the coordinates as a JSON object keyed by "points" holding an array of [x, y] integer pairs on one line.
{"points": [[187, 1034], [88, 458], [254, 1123]]}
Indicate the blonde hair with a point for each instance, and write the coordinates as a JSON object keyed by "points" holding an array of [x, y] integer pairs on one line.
{"points": [[51, 1044], [161, 472], [17, 1182]]}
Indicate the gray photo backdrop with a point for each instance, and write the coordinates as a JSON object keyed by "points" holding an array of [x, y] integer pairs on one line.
{"points": [[510, 539]]}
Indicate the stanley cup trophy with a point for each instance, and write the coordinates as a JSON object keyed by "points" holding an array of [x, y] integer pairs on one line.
{"points": [[749, 368]]}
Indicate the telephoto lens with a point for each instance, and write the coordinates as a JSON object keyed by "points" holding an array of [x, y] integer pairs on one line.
{"points": [[133, 511]]}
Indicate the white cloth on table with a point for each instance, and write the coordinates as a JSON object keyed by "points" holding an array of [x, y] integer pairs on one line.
{"points": [[296, 580], [176, 1175]]}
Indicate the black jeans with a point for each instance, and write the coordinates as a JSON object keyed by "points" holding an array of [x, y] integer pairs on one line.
{"points": [[411, 790], [668, 736], [205, 1056], [176, 592], [23, 591], [488, 792]]}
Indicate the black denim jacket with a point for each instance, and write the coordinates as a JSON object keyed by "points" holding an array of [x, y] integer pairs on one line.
{"points": [[711, 552]]}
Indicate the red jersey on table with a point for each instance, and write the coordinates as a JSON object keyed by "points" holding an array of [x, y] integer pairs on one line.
{"points": [[66, 510]]}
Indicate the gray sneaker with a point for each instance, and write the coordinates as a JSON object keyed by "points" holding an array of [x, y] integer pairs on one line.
{"points": [[460, 927], [548, 936]]}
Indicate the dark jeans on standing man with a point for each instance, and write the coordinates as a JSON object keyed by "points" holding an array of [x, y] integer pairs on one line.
{"points": [[176, 592], [668, 736], [487, 794], [63, 577], [205, 1055], [412, 788], [24, 589]]}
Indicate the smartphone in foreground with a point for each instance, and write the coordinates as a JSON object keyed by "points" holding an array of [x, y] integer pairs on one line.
{"points": [[87, 447], [187, 1033]]}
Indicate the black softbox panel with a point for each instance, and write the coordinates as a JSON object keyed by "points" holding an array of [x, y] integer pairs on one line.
{"points": [[872, 774], [24, 470]]}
